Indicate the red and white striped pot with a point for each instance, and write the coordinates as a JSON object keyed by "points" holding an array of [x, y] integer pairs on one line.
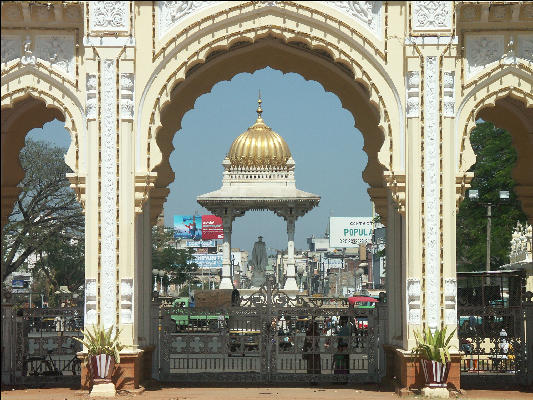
{"points": [[102, 366], [435, 373]]}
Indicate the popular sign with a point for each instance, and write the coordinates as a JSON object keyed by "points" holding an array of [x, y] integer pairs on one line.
{"points": [[350, 231]]}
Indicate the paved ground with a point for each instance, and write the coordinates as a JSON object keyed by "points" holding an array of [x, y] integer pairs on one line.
{"points": [[265, 393]]}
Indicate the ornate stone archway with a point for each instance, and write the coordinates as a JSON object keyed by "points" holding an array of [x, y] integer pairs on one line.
{"points": [[123, 74]]}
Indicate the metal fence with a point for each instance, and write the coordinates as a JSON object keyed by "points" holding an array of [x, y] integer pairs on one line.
{"points": [[44, 348], [492, 327], [269, 337]]}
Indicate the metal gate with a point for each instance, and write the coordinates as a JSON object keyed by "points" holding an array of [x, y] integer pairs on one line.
{"points": [[492, 328], [45, 351], [268, 337]]}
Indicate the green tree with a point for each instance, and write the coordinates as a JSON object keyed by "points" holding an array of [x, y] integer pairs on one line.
{"points": [[46, 208], [496, 158], [178, 263], [63, 263]]}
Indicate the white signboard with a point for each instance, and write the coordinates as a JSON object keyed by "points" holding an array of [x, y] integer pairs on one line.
{"points": [[349, 231]]}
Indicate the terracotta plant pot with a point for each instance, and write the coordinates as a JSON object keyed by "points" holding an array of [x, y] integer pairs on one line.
{"points": [[435, 373], [101, 367]]}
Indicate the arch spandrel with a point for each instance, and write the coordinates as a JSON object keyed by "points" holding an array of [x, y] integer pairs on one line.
{"points": [[175, 73], [62, 103], [505, 99]]}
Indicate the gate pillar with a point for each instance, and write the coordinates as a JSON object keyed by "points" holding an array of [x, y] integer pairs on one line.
{"points": [[421, 269]]}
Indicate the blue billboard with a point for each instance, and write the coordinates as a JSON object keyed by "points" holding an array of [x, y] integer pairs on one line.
{"points": [[188, 227]]}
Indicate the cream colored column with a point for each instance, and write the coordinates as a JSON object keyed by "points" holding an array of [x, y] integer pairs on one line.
{"points": [[290, 283], [227, 279]]}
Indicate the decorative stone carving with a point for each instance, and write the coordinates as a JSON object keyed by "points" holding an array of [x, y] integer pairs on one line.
{"points": [[509, 57], [525, 47], [431, 192], [413, 94], [521, 244], [126, 96], [106, 16], [366, 12], [108, 207], [498, 12], [28, 57], [448, 93], [11, 48], [92, 96], [468, 13], [482, 51], [450, 301], [126, 301], [72, 13], [90, 302], [414, 293], [431, 15], [172, 12], [42, 13], [12, 12], [58, 50]]}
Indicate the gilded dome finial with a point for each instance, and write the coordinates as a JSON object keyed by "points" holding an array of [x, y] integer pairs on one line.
{"points": [[259, 109]]}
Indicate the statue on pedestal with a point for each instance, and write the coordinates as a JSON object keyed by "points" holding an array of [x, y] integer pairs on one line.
{"points": [[259, 262]]}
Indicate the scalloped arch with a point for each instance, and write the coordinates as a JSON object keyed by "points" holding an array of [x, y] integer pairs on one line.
{"points": [[61, 101], [366, 72], [510, 108]]}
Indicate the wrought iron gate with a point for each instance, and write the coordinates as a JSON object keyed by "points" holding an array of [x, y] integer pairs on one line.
{"points": [[268, 337], [492, 328], [45, 351]]}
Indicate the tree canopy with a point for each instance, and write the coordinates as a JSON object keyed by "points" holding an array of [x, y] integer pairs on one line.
{"points": [[46, 210], [178, 263], [496, 157]]}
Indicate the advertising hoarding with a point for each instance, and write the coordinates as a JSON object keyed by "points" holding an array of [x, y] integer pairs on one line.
{"points": [[201, 243], [349, 231], [208, 260], [212, 227], [188, 227]]}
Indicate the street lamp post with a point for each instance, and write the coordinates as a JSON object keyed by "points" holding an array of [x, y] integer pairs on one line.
{"points": [[473, 195]]}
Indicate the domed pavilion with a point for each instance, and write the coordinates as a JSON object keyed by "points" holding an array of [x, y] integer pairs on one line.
{"points": [[258, 175]]}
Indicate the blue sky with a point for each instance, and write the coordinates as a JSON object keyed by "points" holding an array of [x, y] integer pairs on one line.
{"points": [[324, 143]]}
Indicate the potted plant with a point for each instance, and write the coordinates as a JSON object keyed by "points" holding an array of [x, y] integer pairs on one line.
{"points": [[433, 349], [103, 352]]}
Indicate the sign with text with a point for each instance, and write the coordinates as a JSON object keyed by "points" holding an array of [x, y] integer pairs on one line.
{"points": [[208, 260], [212, 227], [349, 231], [200, 243]]}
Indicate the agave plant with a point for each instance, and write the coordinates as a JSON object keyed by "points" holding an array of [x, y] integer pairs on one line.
{"points": [[433, 346], [102, 341]]}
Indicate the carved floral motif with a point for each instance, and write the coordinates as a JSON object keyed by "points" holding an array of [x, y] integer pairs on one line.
{"points": [[431, 192], [58, 50], [108, 208], [126, 96], [367, 12], [432, 15], [450, 301], [171, 12], [448, 93], [413, 94], [109, 15], [91, 104], [414, 293], [482, 51], [11, 48]]}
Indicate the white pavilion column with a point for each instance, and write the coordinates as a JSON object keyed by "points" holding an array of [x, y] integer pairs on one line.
{"points": [[227, 281], [290, 283]]}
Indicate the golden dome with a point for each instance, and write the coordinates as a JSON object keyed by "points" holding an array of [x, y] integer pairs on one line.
{"points": [[259, 146]]}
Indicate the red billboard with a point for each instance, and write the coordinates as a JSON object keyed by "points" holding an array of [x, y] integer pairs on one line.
{"points": [[212, 227]]}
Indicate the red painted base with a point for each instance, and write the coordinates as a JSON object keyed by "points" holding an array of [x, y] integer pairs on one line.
{"points": [[405, 369], [133, 369]]}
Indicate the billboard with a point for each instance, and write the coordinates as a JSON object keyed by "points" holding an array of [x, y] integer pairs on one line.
{"points": [[212, 227], [208, 260], [188, 227], [201, 243], [350, 231]]}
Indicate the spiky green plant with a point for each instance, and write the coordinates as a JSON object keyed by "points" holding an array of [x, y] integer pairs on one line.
{"points": [[433, 346], [102, 341]]}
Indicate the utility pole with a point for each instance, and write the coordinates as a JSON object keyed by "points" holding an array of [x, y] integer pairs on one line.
{"points": [[489, 226]]}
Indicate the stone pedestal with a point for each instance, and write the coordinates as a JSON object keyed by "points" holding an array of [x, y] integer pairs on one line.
{"points": [[406, 371], [132, 370], [103, 390]]}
